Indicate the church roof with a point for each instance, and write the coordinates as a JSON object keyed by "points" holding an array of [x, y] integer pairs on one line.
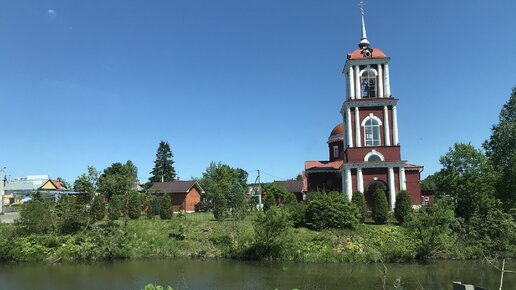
{"points": [[323, 165], [338, 130], [337, 134], [358, 54]]}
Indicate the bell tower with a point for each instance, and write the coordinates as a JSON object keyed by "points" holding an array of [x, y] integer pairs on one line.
{"points": [[372, 155]]}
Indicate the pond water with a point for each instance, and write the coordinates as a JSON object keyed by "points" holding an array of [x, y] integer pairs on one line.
{"points": [[227, 274]]}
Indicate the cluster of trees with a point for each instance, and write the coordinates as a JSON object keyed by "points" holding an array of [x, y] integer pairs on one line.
{"points": [[476, 191], [225, 189]]}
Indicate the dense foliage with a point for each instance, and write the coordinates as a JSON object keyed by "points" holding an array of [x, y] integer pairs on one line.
{"points": [[163, 170], [358, 199], [36, 216], [331, 210], [98, 208], [134, 205], [380, 210], [403, 207], [219, 182], [165, 211], [118, 179], [501, 152]]}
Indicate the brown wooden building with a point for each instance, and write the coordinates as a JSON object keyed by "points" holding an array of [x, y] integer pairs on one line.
{"points": [[185, 194]]}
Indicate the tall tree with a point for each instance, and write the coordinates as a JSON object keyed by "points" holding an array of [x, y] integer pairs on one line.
{"points": [[118, 179], [87, 182], [467, 177], [163, 170], [501, 151]]}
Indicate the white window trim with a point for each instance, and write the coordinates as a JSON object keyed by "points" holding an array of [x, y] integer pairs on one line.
{"points": [[368, 69], [374, 152], [335, 150], [371, 116]]}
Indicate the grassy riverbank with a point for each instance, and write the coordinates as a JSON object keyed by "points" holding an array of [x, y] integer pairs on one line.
{"points": [[198, 236]]}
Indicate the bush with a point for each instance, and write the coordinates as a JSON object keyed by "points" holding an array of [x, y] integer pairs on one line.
{"points": [[71, 215], [165, 212], [36, 217], [133, 205], [403, 207], [271, 231], [98, 209], [432, 228], [115, 207], [380, 210], [297, 212], [359, 201], [331, 210]]}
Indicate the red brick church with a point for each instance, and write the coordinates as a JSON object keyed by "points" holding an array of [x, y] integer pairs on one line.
{"points": [[364, 150]]}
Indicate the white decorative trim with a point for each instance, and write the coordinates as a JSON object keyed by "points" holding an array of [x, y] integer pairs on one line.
{"points": [[374, 152], [371, 116], [335, 138], [368, 69]]}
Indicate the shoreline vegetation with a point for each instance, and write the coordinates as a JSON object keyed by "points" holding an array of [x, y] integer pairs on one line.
{"points": [[199, 236]]}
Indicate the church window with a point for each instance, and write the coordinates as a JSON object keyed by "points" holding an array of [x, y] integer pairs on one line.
{"points": [[369, 84], [374, 158], [371, 131], [335, 151]]}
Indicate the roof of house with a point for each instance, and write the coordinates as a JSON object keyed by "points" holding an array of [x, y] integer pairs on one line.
{"points": [[177, 186], [323, 165], [291, 185]]}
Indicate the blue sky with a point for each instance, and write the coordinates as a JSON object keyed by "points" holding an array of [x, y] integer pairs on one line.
{"points": [[253, 84]]}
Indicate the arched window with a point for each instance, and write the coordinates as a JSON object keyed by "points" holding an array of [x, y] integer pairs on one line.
{"points": [[374, 158], [369, 83], [372, 131]]}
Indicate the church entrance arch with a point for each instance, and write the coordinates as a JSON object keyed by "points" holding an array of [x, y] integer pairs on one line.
{"points": [[373, 185]]}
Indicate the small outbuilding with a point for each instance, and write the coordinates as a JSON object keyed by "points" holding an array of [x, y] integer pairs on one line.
{"points": [[185, 194]]}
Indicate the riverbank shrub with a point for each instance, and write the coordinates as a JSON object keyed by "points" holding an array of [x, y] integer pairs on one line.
{"points": [[359, 201], [71, 215], [380, 210], [36, 217], [272, 229], [433, 229], [403, 207], [331, 210]]}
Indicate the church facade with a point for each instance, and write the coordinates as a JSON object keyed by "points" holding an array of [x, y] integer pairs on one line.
{"points": [[364, 150]]}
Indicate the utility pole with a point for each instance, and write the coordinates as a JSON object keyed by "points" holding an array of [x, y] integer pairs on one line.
{"points": [[2, 192], [258, 190]]}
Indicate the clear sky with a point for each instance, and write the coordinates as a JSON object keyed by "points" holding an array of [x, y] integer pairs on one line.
{"points": [[253, 84]]}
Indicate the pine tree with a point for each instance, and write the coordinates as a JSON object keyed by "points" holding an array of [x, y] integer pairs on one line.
{"points": [[380, 207], [163, 170], [403, 207]]}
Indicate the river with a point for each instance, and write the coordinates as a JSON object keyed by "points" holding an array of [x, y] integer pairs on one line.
{"points": [[228, 274]]}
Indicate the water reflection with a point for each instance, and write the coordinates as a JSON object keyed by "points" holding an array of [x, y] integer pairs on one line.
{"points": [[195, 274]]}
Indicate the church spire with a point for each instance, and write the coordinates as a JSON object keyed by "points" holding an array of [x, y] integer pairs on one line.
{"points": [[363, 41]]}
